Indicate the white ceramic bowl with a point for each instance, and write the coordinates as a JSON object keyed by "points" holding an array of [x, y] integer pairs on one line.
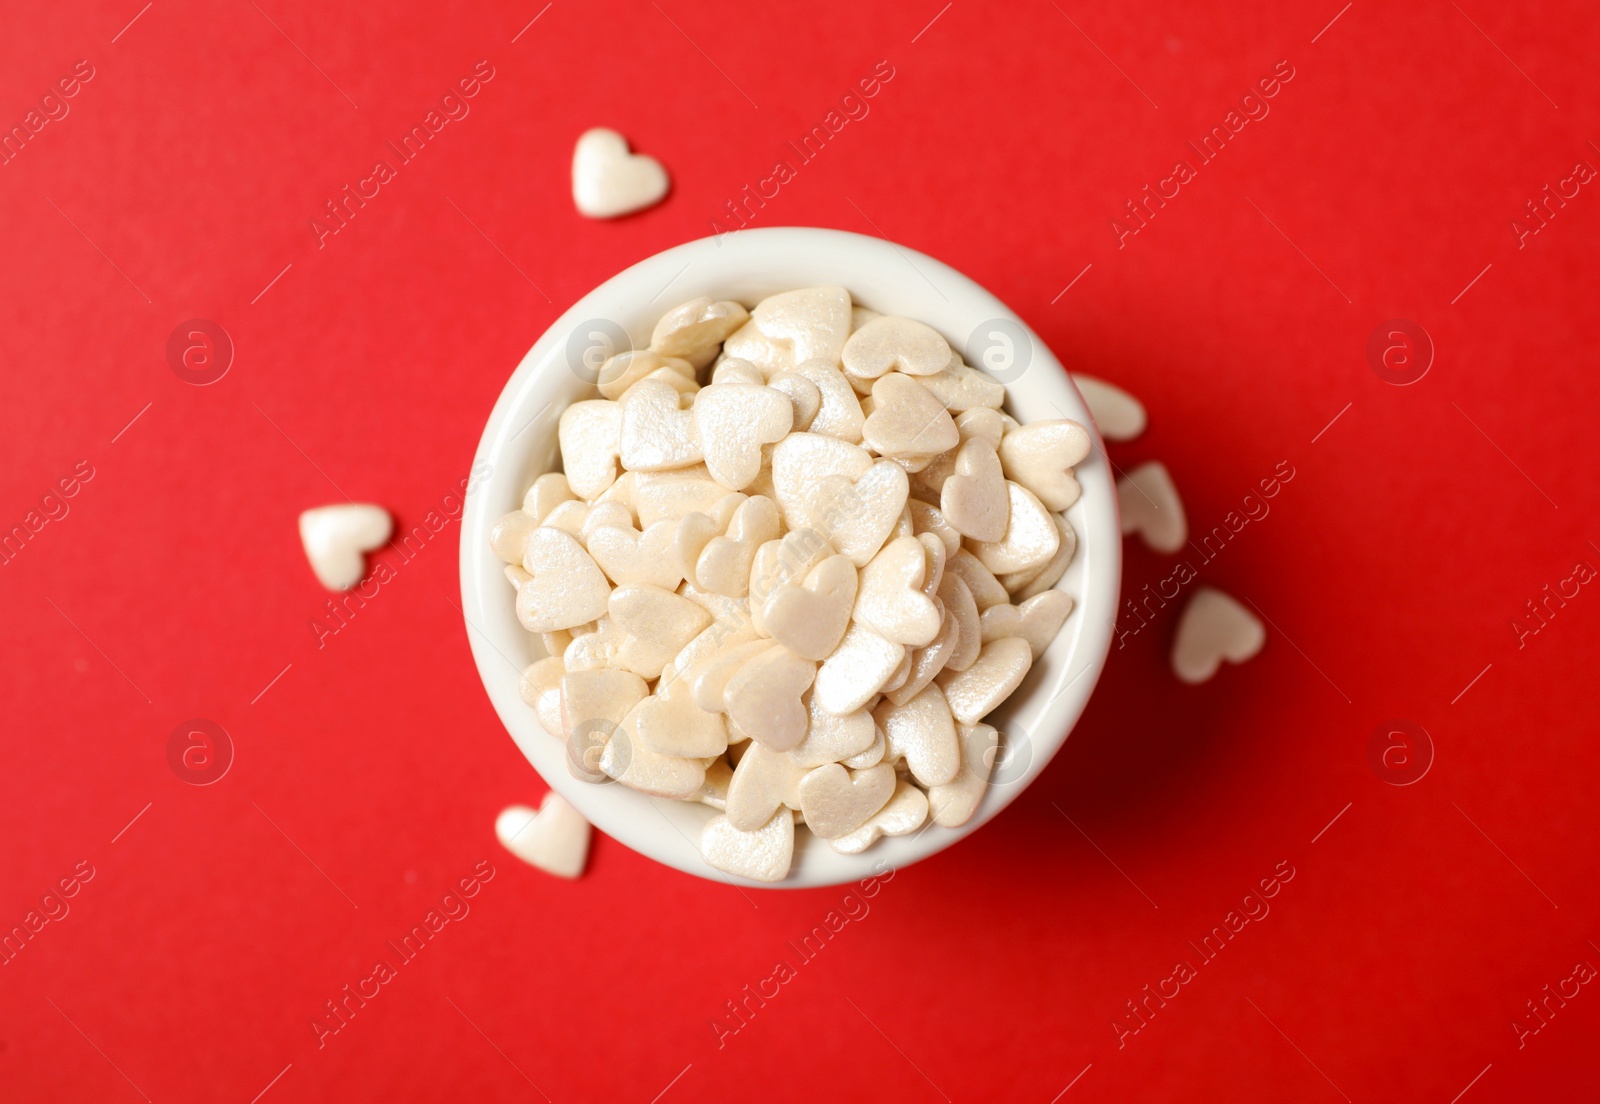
{"points": [[519, 444]]}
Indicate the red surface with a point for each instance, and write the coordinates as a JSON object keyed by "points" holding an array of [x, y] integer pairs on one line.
{"points": [[1392, 566]]}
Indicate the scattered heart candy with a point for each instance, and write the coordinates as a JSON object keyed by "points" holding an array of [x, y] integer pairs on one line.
{"points": [[555, 838], [336, 537], [1119, 415], [609, 181], [1214, 627], [796, 555], [1151, 507]]}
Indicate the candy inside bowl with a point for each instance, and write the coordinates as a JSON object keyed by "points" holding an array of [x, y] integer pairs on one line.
{"points": [[681, 474]]}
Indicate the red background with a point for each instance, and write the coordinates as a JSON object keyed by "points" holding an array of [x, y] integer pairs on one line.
{"points": [[368, 775]]}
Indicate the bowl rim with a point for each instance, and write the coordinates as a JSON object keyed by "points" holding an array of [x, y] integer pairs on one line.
{"points": [[761, 259]]}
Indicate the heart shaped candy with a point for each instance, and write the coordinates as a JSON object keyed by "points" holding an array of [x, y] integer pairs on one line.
{"points": [[1118, 414], [608, 181], [1214, 627], [508, 536], [567, 587], [907, 421], [540, 687], [732, 421], [905, 812], [691, 328], [830, 738], [548, 491], [629, 556], [763, 783], [889, 343], [763, 697], [999, 669], [954, 803], [762, 856], [857, 669], [555, 838], [1041, 457], [836, 801], [335, 538], [656, 624], [655, 434], [810, 618], [801, 461], [1030, 539], [723, 566], [838, 410], [589, 432], [974, 497], [889, 599], [857, 516], [923, 733], [1036, 620], [792, 327], [1150, 506]]}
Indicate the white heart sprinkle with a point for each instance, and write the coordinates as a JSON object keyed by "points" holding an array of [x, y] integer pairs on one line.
{"points": [[792, 327], [691, 328], [923, 732], [1119, 415], [831, 738], [763, 855], [1041, 457], [764, 782], [608, 181], [656, 435], [999, 669], [555, 839], [856, 670], [889, 599], [810, 618], [890, 343], [1150, 506], [629, 556], [1030, 539], [567, 588], [336, 537], [732, 421], [836, 802], [1214, 627], [905, 812], [1037, 620], [974, 499], [907, 421], [954, 803], [763, 697], [858, 515], [589, 433]]}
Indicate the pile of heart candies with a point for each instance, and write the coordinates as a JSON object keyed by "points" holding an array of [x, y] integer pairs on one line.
{"points": [[794, 558]]}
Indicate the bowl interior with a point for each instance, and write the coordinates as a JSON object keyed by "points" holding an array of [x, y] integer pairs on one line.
{"points": [[519, 444]]}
